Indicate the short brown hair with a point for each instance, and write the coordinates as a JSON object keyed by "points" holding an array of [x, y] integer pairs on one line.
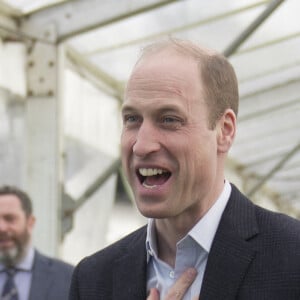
{"points": [[21, 195], [217, 74]]}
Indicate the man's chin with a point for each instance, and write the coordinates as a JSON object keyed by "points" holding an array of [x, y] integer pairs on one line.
{"points": [[9, 256], [153, 213]]}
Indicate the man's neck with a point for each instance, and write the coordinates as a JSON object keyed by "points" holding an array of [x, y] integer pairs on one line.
{"points": [[170, 231], [22, 255], [168, 235]]}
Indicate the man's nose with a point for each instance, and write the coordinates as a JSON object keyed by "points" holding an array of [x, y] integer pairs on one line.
{"points": [[147, 140], [3, 225]]}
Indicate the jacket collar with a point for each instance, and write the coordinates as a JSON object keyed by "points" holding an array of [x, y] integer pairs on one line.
{"points": [[228, 260], [129, 275], [231, 252], [41, 279]]}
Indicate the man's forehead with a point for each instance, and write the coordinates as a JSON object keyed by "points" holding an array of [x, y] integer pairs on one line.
{"points": [[11, 201], [169, 75], [156, 93], [165, 56]]}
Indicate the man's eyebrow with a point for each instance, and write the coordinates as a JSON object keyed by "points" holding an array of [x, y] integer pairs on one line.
{"points": [[170, 108], [162, 109], [127, 108]]}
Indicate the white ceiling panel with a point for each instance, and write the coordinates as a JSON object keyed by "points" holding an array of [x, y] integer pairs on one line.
{"points": [[109, 34]]}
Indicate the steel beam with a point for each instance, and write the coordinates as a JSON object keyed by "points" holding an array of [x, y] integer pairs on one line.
{"points": [[275, 169], [43, 148], [70, 205], [78, 59], [80, 16], [231, 49], [252, 27]]}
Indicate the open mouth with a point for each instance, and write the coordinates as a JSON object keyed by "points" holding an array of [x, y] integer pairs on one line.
{"points": [[152, 177]]}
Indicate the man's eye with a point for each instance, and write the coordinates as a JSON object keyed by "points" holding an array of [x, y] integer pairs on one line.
{"points": [[130, 119], [10, 218], [171, 122]]}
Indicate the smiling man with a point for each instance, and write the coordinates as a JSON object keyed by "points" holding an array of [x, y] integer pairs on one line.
{"points": [[15, 229], [26, 274], [179, 122]]}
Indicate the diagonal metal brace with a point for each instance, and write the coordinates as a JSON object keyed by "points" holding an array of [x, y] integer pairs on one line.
{"points": [[70, 205], [251, 28], [276, 168]]}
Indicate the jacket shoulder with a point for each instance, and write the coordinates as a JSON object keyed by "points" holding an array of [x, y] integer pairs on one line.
{"points": [[278, 225], [52, 266], [93, 277], [247, 214], [106, 256]]}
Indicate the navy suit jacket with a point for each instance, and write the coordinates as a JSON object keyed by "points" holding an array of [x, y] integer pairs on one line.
{"points": [[51, 278], [255, 255]]}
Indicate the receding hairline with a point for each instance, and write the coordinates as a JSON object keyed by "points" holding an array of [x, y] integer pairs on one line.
{"points": [[184, 47], [215, 72]]}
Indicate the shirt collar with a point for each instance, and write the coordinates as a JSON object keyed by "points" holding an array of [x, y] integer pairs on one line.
{"points": [[27, 262], [151, 245], [203, 232]]}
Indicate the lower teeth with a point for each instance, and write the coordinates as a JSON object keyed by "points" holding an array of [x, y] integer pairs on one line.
{"points": [[149, 186]]}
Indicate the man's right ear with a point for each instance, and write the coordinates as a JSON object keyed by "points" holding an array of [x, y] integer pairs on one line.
{"points": [[30, 222], [226, 130]]}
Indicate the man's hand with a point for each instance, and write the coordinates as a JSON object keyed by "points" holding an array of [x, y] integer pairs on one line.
{"points": [[180, 287]]}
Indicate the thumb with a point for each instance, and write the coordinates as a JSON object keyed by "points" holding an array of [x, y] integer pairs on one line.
{"points": [[153, 294]]}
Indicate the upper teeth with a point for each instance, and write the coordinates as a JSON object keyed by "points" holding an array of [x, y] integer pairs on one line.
{"points": [[150, 172]]}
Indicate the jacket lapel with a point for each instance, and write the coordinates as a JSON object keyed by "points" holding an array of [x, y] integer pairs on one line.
{"points": [[40, 278], [231, 252], [129, 281]]}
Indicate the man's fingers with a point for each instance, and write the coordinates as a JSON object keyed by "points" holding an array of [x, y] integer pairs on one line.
{"points": [[153, 295], [178, 290]]}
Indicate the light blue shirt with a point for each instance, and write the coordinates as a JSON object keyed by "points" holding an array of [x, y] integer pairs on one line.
{"points": [[22, 277], [192, 250]]}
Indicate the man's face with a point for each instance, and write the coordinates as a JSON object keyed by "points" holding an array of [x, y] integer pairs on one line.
{"points": [[169, 154], [15, 230]]}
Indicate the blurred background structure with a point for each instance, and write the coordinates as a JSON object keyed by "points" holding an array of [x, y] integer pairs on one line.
{"points": [[64, 65]]}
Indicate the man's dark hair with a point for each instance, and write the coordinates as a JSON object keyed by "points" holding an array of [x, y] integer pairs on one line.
{"points": [[21, 195]]}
